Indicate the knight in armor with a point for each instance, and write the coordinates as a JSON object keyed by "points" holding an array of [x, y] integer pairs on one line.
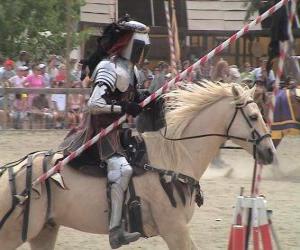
{"points": [[114, 78]]}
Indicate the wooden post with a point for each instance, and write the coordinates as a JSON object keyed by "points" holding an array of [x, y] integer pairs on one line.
{"points": [[6, 107], [69, 39]]}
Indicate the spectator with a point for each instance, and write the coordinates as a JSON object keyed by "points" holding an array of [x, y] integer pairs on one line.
{"points": [[234, 74], [145, 71], [59, 102], [246, 74], [34, 80], [159, 76], [8, 71], [247, 68], [45, 75], [261, 76], [17, 80], [75, 104], [146, 84], [220, 72], [23, 59], [61, 77], [205, 70], [18, 111], [52, 68], [190, 77], [41, 113], [77, 71], [1, 65], [248, 80]]}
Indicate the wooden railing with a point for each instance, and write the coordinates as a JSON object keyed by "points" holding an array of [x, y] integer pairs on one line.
{"points": [[5, 92]]}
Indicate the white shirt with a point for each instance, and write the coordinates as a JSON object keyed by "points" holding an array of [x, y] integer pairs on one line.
{"points": [[258, 76], [16, 81], [60, 100]]}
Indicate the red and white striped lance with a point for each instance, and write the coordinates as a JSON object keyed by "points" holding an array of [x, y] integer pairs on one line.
{"points": [[171, 38], [163, 89]]}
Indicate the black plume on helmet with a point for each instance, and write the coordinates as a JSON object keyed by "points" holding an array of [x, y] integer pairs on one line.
{"points": [[110, 36]]}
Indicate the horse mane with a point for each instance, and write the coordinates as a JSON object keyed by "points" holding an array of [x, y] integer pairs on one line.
{"points": [[183, 104]]}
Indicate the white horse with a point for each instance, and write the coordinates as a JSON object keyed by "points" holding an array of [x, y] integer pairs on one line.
{"points": [[187, 146]]}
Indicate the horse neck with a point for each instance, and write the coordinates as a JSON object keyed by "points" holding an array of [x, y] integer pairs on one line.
{"points": [[191, 157]]}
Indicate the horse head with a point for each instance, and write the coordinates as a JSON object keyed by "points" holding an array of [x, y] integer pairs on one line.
{"points": [[247, 127]]}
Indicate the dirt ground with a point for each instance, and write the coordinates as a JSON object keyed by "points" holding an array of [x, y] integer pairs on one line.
{"points": [[211, 223]]}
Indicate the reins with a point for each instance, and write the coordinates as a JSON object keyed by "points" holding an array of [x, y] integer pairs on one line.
{"points": [[255, 139]]}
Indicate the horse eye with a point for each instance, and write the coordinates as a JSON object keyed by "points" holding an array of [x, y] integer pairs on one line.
{"points": [[254, 117]]}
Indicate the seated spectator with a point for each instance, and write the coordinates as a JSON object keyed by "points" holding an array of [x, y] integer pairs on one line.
{"points": [[18, 111], [40, 113], [234, 74], [262, 77], [147, 82], [190, 77], [59, 102], [76, 103], [248, 80], [220, 72]]}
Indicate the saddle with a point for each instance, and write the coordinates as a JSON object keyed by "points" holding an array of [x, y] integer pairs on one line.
{"points": [[89, 163]]}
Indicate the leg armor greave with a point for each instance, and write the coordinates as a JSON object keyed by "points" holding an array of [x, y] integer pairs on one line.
{"points": [[118, 173]]}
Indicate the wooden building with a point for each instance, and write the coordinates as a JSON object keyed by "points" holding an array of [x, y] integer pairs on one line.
{"points": [[202, 25]]}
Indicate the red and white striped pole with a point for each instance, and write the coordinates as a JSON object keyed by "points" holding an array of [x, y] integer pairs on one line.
{"points": [[171, 39], [279, 72], [163, 89], [284, 46]]}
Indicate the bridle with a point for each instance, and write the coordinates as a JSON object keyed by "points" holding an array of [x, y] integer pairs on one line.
{"points": [[255, 139]]}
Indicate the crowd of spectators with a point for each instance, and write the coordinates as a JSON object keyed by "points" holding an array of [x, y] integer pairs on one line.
{"points": [[64, 111], [40, 110]]}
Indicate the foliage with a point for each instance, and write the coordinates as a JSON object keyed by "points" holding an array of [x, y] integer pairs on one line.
{"points": [[38, 27]]}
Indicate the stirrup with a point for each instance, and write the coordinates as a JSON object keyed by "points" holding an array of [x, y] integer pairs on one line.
{"points": [[119, 237]]}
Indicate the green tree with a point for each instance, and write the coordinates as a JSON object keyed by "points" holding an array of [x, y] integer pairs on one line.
{"points": [[38, 27]]}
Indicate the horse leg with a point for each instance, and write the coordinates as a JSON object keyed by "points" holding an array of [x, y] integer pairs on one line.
{"points": [[46, 239], [172, 227], [177, 238]]}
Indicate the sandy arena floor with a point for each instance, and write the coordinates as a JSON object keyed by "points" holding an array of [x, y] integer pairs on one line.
{"points": [[211, 223]]}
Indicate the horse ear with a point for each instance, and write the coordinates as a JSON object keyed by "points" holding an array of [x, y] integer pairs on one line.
{"points": [[235, 92]]}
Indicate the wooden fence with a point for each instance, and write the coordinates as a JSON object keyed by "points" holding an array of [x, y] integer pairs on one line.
{"points": [[6, 92]]}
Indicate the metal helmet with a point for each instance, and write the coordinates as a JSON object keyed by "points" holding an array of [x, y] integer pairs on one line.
{"points": [[138, 47]]}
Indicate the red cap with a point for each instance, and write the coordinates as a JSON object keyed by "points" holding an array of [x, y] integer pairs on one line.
{"points": [[9, 62]]}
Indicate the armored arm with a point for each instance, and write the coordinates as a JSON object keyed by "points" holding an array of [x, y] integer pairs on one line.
{"points": [[105, 78]]}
